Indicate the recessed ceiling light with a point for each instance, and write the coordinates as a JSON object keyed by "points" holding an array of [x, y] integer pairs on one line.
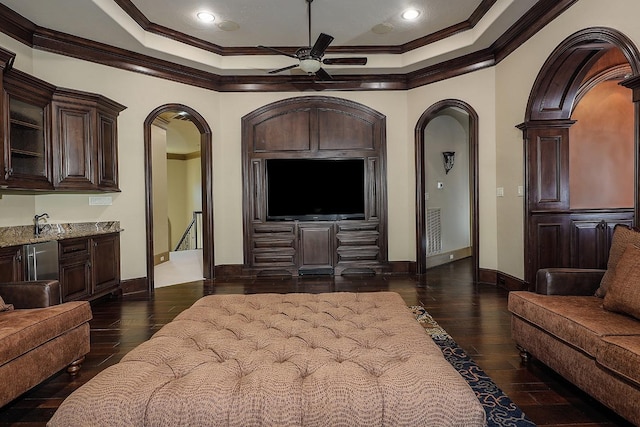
{"points": [[205, 16], [410, 14]]}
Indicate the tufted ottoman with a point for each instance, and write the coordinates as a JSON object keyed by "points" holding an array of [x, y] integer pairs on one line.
{"points": [[347, 359]]}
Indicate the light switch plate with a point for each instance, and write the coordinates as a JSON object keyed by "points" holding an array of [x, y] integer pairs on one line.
{"points": [[500, 191], [100, 201]]}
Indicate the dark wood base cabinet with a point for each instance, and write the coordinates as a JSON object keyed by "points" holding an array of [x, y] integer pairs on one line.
{"points": [[316, 247], [89, 266], [11, 264]]}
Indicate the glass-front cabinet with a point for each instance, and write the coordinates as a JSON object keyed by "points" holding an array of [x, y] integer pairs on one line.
{"points": [[27, 140], [27, 153]]}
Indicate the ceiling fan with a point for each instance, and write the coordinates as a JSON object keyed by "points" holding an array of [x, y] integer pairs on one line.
{"points": [[310, 57]]}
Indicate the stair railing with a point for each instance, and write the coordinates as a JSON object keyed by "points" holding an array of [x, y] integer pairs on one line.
{"points": [[192, 236]]}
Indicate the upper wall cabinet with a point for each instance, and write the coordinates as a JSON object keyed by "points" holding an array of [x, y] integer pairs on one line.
{"points": [[26, 160], [85, 146], [56, 139]]}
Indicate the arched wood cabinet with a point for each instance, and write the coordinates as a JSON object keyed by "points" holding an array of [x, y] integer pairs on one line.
{"points": [[557, 232], [314, 128]]}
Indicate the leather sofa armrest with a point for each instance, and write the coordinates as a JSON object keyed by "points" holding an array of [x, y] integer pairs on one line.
{"points": [[568, 281], [31, 294]]}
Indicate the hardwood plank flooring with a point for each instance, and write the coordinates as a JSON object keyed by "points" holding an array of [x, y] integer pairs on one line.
{"points": [[474, 314]]}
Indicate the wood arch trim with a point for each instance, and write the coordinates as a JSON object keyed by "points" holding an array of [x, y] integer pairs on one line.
{"points": [[314, 127], [559, 80], [206, 156], [421, 180], [616, 73]]}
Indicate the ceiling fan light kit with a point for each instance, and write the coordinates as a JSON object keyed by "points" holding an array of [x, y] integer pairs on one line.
{"points": [[310, 66], [310, 57]]}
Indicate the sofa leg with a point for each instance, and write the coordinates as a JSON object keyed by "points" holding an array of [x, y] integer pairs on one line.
{"points": [[525, 356], [75, 366]]}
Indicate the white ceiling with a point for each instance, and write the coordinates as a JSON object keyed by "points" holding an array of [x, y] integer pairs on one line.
{"points": [[279, 23]]}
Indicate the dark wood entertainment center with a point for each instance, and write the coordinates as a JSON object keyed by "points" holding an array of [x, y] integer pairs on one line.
{"points": [[314, 127]]}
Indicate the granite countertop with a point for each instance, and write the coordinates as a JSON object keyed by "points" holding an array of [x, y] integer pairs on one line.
{"points": [[23, 234]]}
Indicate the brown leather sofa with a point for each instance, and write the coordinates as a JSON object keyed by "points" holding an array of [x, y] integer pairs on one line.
{"points": [[566, 327], [39, 336]]}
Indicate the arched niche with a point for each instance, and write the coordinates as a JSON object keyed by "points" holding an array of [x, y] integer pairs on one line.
{"points": [[556, 235]]}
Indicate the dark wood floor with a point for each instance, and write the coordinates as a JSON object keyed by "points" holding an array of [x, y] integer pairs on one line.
{"points": [[475, 315]]}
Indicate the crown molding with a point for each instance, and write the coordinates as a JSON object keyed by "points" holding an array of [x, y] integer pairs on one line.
{"points": [[130, 9], [23, 30]]}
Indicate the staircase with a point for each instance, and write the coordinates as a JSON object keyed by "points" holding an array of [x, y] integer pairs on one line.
{"points": [[192, 236]]}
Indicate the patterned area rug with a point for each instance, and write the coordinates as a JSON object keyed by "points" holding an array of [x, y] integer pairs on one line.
{"points": [[500, 410]]}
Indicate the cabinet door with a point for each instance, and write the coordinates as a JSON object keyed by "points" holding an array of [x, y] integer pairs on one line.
{"points": [[315, 248], [11, 264], [105, 263], [549, 237], [26, 145], [107, 161], [75, 278], [27, 149], [591, 238], [74, 268], [73, 145]]}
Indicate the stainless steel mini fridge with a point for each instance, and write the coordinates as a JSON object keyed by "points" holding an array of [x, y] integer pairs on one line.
{"points": [[42, 260]]}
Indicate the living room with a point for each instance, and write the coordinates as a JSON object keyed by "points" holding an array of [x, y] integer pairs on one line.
{"points": [[498, 90]]}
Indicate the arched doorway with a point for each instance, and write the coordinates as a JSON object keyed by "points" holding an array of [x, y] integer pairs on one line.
{"points": [[558, 231], [433, 112], [207, 187]]}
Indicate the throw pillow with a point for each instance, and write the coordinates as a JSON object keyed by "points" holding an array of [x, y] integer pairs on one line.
{"points": [[623, 295], [4, 306], [622, 236]]}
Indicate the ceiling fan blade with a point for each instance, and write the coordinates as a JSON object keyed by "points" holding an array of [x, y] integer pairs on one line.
{"points": [[345, 61], [290, 55], [323, 75], [284, 69], [321, 44]]}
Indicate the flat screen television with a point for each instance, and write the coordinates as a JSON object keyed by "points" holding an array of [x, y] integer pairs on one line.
{"points": [[315, 189]]}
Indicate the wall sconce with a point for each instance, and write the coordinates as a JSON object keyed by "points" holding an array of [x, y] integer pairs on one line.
{"points": [[448, 158]]}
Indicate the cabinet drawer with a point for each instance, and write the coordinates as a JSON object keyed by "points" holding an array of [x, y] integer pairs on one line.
{"points": [[273, 243], [284, 258], [73, 247], [358, 254], [357, 226], [358, 239], [274, 228]]}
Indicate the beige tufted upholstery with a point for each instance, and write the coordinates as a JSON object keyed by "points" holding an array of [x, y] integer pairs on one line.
{"points": [[281, 360]]}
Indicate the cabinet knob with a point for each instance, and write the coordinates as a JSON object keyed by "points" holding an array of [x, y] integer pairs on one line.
{"points": [[8, 172]]}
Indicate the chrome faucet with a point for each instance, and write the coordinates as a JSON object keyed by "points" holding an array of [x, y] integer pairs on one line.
{"points": [[37, 228]]}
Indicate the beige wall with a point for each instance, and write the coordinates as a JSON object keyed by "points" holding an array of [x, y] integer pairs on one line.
{"points": [[184, 178], [449, 132], [185, 197], [498, 95], [478, 90], [161, 226]]}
